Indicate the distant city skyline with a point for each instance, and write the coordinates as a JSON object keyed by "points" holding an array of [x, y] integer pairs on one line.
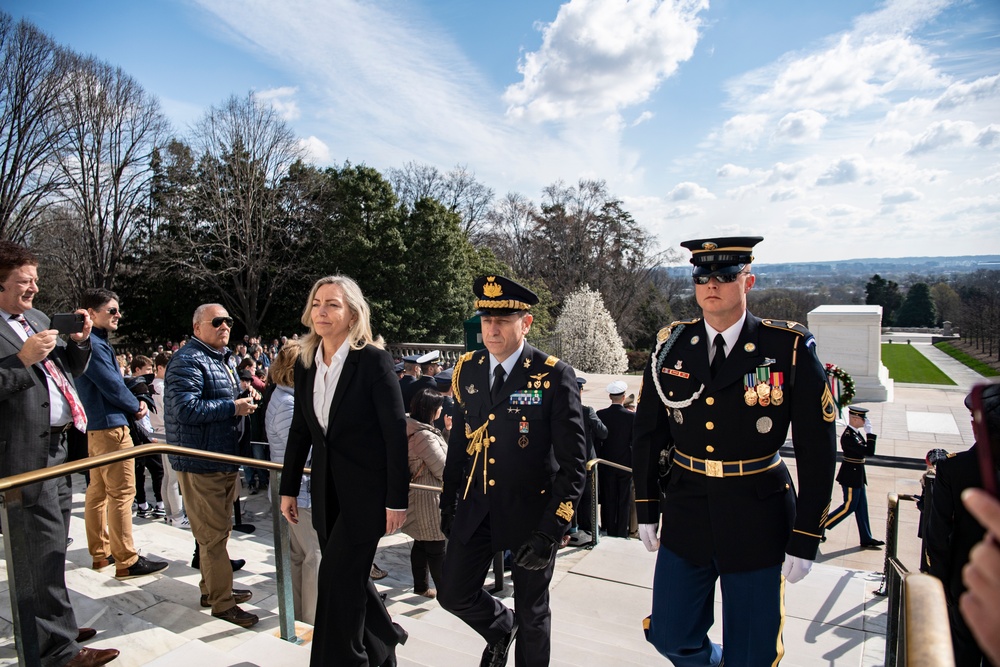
{"points": [[834, 130]]}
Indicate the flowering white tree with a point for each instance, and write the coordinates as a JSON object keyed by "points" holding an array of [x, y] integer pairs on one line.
{"points": [[590, 340]]}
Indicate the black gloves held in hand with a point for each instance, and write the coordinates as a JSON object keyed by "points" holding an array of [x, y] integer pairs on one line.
{"points": [[537, 552], [447, 518]]}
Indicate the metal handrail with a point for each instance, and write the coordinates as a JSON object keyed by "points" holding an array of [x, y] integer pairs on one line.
{"points": [[926, 638], [19, 572], [592, 465]]}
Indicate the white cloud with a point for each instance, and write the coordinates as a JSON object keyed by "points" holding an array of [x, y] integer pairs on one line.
{"points": [[989, 137], [961, 93], [642, 118], [282, 101], [943, 134], [848, 169], [683, 211], [316, 150], [901, 196], [598, 57], [800, 126], [742, 131], [688, 190], [731, 170], [786, 194]]}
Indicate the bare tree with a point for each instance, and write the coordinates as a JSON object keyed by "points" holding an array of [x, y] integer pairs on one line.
{"points": [[31, 81], [511, 229], [113, 127], [241, 242], [458, 190]]}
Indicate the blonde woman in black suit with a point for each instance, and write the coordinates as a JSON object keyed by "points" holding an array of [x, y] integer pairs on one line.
{"points": [[348, 408]]}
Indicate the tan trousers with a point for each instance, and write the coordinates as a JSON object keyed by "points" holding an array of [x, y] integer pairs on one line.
{"points": [[306, 555], [108, 507], [208, 499]]}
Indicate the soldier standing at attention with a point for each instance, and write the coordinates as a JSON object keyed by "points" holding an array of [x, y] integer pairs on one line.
{"points": [[858, 443], [716, 402], [514, 472]]}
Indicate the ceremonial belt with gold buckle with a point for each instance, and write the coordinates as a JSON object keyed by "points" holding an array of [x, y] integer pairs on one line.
{"points": [[854, 460], [711, 468]]}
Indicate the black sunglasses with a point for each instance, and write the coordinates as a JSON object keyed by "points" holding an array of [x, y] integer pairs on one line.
{"points": [[722, 278], [217, 322], [114, 311]]}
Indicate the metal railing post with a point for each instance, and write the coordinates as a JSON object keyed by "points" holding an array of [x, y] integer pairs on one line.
{"points": [[592, 471], [20, 581], [282, 563]]}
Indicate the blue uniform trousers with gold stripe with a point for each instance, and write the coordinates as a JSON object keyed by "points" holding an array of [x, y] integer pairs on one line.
{"points": [[684, 610], [856, 501]]}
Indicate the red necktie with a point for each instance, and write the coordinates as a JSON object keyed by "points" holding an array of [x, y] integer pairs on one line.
{"points": [[65, 387]]}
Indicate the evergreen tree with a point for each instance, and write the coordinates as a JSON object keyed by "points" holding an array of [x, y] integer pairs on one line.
{"points": [[590, 340], [918, 308], [885, 293]]}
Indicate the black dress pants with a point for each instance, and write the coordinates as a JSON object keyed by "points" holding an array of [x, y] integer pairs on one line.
{"points": [[461, 592]]}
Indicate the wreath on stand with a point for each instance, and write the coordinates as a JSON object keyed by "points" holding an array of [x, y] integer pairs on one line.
{"points": [[841, 385]]}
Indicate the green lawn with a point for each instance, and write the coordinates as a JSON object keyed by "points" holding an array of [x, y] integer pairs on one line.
{"points": [[971, 362], [906, 364]]}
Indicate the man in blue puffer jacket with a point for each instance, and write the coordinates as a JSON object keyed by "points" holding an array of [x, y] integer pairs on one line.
{"points": [[202, 411]]}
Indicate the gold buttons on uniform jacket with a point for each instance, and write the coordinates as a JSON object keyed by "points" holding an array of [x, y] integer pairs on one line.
{"points": [[709, 425], [493, 460], [493, 416], [709, 449], [493, 482], [709, 401]]}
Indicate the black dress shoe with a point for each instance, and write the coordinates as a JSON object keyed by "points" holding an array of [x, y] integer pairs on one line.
{"points": [[495, 654], [872, 544]]}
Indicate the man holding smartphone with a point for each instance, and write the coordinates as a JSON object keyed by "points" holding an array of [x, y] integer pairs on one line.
{"points": [[38, 406]]}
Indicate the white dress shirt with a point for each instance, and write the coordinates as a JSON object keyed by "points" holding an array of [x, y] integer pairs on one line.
{"points": [[327, 377], [730, 336], [59, 410]]}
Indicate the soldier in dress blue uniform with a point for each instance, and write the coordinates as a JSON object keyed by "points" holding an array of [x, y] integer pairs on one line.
{"points": [[857, 443], [514, 473], [715, 406]]}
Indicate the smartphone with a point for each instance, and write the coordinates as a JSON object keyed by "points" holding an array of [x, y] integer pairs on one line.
{"points": [[984, 438], [67, 323]]}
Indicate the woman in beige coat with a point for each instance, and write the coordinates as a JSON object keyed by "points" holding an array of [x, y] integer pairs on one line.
{"points": [[428, 450]]}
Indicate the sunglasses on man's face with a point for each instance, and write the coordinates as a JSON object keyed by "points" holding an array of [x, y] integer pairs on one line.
{"points": [[114, 311], [218, 322], [722, 278]]}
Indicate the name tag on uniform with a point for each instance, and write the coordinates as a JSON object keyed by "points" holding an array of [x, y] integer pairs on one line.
{"points": [[526, 397], [673, 371]]}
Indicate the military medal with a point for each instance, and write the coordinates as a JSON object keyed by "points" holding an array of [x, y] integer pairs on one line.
{"points": [[522, 442], [777, 393], [764, 395], [546, 385], [750, 395], [678, 417], [524, 426], [764, 425]]}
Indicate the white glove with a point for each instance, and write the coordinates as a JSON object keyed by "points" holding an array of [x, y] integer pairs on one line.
{"points": [[647, 533], [868, 426], [794, 568]]}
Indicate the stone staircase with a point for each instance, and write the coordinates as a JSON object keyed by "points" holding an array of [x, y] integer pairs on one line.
{"points": [[599, 599]]}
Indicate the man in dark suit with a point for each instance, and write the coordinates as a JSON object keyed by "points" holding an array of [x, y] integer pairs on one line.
{"points": [[514, 473], [38, 406], [717, 400], [407, 383], [951, 531], [857, 443], [616, 485]]}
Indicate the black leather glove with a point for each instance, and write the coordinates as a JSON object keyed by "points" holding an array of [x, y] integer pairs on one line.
{"points": [[537, 552], [447, 519]]}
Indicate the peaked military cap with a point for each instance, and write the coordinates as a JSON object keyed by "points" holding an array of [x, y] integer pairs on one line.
{"points": [[858, 411], [496, 295], [721, 256], [411, 358], [433, 355], [443, 379]]}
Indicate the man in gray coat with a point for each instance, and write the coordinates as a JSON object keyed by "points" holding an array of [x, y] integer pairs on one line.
{"points": [[38, 406]]}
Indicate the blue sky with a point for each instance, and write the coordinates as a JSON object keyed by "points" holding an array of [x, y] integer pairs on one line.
{"points": [[836, 130]]}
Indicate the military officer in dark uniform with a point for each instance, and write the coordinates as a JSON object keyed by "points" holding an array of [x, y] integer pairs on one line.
{"points": [[514, 473], [411, 373], [716, 403], [616, 485], [857, 443]]}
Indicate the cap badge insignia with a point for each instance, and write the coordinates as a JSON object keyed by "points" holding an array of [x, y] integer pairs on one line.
{"points": [[708, 245], [695, 339], [679, 364], [764, 425], [749, 347], [527, 362], [491, 289]]}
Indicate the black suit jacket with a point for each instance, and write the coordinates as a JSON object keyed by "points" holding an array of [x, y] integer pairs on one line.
{"points": [[617, 446], [856, 447], [742, 522], [528, 472], [24, 401], [951, 531], [359, 467]]}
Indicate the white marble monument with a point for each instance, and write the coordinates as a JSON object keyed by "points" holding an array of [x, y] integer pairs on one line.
{"points": [[850, 337]]}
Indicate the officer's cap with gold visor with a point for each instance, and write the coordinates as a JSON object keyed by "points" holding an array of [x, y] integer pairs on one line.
{"points": [[496, 295], [721, 256]]}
